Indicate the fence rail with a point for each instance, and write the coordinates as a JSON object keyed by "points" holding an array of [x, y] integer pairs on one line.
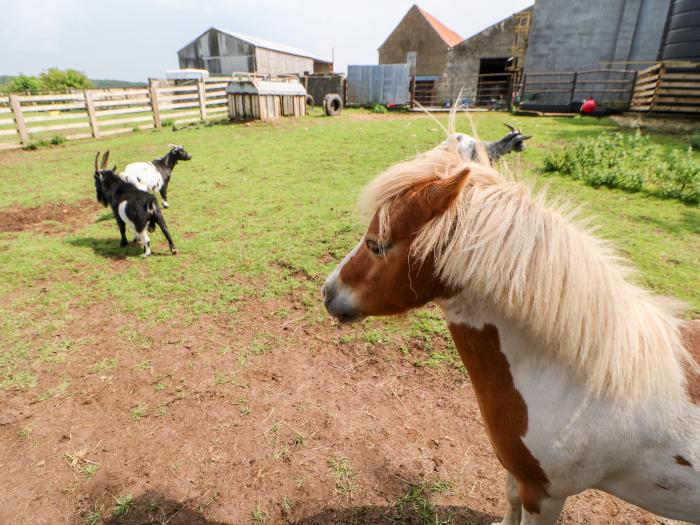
{"points": [[103, 112], [668, 87]]}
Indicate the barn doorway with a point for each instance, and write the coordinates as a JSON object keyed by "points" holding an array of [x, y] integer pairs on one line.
{"points": [[494, 86]]}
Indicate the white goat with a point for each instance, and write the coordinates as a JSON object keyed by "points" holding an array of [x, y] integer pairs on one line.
{"points": [[155, 175]]}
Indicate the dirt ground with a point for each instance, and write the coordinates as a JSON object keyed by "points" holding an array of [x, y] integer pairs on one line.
{"points": [[53, 217], [300, 428]]}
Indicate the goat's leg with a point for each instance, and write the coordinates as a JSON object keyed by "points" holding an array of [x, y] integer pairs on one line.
{"points": [[160, 220], [164, 194], [514, 509], [122, 231], [146, 241]]}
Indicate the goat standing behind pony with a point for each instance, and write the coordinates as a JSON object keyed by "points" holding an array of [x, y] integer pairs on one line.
{"points": [[471, 149], [130, 205]]}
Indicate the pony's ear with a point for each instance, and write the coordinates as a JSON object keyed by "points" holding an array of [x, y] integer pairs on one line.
{"points": [[435, 197]]}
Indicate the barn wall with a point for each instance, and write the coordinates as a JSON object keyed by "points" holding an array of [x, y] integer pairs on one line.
{"points": [[218, 53], [462, 71], [275, 63], [570, 35], [414, 33]]}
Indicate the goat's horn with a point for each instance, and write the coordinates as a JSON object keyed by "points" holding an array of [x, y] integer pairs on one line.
{"points": [[105, 159], [509, 127], [97, 160], [173, 146]]}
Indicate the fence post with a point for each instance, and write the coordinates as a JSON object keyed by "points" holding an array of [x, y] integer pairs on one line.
{"points": [[153, 95], [202, 100], [90, 106], [19, 119], [573, 88]]}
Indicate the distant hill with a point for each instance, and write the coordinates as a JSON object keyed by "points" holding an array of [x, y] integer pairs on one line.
{"points": [[98, 83]]}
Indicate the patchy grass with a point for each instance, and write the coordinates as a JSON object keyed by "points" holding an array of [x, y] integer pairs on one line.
{"points": [[416, 503], [343, 476], [276, 214], [123, 505]]}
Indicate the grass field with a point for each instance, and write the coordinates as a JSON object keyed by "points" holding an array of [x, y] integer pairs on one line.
{"points": [[262, 213]]}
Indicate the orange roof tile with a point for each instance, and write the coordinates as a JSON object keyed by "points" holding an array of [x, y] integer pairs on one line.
{"points": [[450, 37]]}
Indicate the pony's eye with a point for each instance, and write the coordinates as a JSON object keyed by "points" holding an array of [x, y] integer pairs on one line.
{"points": [[375, 247]]}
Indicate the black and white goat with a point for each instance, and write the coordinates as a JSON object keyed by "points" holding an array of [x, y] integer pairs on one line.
{"points": [[155, 175], [469, 147], [138, 209]]}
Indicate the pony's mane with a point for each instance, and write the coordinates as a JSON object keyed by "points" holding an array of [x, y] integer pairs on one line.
{"points": [[532, 261]]}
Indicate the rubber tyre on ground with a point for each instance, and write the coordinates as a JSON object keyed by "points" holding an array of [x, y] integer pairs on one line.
{"points": [[332, 104], [310, 102]]}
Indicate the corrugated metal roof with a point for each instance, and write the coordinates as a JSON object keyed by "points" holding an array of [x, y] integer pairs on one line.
{"points": [[265, 87], [274, 46]]}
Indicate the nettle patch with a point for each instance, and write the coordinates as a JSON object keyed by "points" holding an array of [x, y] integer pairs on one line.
{"points": [[630, 163]]}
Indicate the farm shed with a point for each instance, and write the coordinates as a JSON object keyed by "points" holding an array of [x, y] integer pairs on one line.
{"points": [[265, 99], [225, 53], [483, 65]]}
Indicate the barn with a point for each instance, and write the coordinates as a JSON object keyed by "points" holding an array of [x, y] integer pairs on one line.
{"points": [[224, 53]]}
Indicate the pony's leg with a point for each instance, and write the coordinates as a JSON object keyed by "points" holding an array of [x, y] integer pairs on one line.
{"points": [[514, 506], [550, 508]]}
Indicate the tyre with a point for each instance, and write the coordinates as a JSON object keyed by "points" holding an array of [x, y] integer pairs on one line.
{"points": [[332, 104], [310, 102]]}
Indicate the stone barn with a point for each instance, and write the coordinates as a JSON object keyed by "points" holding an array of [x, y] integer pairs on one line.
{"points": [[485, 66], [225, 53], [422, 42]]}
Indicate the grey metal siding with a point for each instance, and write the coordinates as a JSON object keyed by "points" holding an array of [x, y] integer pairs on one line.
{"points": [[383, 84]]}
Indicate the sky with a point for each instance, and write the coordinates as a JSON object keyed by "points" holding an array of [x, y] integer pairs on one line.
{"points": [[139, 39]]}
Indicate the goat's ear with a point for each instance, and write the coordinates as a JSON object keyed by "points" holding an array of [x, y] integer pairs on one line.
{"points": [[114, 168], [105, 159]]}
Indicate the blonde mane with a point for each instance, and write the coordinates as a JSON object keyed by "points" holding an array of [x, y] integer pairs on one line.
{"points": [[506, 246]]}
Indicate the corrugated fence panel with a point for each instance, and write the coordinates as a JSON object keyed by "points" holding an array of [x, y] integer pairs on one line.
{"points": [[383, 84]]}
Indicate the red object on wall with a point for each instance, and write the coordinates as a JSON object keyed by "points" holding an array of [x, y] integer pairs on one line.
{"points": [[588, 106]]}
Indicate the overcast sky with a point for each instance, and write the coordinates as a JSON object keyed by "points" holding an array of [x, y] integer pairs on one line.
{"points": [[137, 39]]}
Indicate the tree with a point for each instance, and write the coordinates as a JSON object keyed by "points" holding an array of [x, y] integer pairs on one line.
{"points": [[21, 83], [55, 79]]}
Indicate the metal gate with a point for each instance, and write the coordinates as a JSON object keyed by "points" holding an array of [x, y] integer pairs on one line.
{"points": [[386, 84]]}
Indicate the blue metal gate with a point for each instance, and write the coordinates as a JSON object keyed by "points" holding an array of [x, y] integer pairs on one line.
{"points": [[384, 84]]}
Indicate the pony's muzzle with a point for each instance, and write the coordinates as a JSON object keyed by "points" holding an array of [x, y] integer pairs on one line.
{"points": [[339, 303]]}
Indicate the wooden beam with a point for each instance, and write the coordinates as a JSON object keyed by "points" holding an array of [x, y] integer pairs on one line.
{"points": [[19, 119], [153, 92], [202, 100], [92, 116]]}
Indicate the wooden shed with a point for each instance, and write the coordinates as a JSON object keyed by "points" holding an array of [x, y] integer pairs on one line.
{"points": [[265, 99]]}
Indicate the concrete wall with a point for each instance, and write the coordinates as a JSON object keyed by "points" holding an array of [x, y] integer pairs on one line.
{"points": [[414, 33], [570, 35], [462, 71]]}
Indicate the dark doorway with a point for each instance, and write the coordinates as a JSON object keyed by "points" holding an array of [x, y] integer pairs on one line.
{"points": [[494, 87]]}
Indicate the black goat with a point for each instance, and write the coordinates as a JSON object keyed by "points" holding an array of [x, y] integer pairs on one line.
{"points": [[138, 209], [469, 147], [155, 175]]}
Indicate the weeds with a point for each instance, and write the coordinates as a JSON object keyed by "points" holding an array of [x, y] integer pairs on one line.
{"points": [[123, 504], [258, 515], [630, 163], [343, 475], [415, 503], [139, 411]]}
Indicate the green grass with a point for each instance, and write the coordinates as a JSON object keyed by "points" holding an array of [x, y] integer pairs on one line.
{"points": [[265, 210]]}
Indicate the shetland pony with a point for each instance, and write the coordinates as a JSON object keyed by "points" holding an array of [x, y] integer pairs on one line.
{"points": [[584, 380]]}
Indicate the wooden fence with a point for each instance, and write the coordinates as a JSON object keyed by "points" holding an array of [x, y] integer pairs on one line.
{"points": [[668, 86], [25, 118], [611, 87]]}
